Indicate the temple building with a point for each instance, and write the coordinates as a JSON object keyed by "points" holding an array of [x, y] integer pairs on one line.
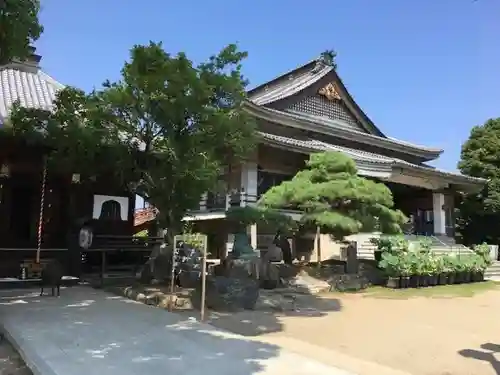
{"points": [[40, 208], [310, 110]]}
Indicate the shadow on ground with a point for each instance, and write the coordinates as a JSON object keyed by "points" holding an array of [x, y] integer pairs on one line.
{"points": [[100, 331], [272, 306], [486, 353]]}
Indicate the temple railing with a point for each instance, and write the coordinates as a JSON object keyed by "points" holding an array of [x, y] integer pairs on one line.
{"points": [[222, 201]]}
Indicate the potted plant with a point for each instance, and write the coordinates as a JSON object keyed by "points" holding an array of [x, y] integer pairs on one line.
{"points": [[468, 268], [431, 268], [483, 261], [442, 277], [450, 268], [390, 265], [480, 266], [460, 266], [420, 264], [414, 269], [405, 268]]}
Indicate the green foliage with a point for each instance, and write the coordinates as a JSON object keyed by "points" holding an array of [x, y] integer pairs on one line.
{"points": [[196, 240], [167, 126], [78, 141], [244, 216], [19, 28], [181, 123], [391, 244], [332, 196], [479, 213], [399, 259], [483, 252]]}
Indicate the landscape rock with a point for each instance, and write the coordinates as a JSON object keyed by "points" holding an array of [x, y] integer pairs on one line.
{"points": [[228, 294], [349, 283], [304, 283]]}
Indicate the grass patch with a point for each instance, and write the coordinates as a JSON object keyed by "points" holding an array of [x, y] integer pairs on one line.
{"points": [[439, 291]]}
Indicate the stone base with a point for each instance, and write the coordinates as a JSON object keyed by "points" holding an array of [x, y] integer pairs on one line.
{"points": [[348, 283], [228, 294]]}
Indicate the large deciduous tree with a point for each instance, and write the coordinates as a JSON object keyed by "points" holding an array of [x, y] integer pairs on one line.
{"points": [[19, 28], [167, 127], [479, 213], [335, 199], [179, 122]]}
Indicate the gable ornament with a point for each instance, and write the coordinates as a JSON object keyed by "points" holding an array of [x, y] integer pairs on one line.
{"points": [[330, 92]]}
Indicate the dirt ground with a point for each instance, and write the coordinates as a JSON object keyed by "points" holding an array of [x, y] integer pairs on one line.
{"points": [[452, 330], [422, 335]]}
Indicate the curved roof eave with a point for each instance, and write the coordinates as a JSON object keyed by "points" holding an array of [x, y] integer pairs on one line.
{"points": [[378, 163], [325, 127]]}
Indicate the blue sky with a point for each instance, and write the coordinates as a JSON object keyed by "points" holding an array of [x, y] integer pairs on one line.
{"points": [[424, 71]]}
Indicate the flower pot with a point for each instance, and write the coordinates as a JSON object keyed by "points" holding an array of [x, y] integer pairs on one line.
{"points": [[414, 281], [432, 280], [442, 279], [451, 277], [459, 277], [478, 276], [393, 282], [424, 281], [405, 281], [467, 277]]}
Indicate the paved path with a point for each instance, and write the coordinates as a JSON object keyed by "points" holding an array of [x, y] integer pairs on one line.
{"points": [[87, 331]]}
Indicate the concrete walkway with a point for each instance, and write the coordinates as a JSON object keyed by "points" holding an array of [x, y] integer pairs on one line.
{"points": [[87, 331]]}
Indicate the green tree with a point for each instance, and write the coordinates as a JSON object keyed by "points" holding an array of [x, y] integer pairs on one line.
{"points": [[19, 28], [167, 128], [335, 199], [479, 212], [78, 143]]}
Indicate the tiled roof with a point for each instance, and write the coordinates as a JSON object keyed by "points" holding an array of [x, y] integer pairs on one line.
{"points": [[30, 85], [359, 155], [288, 86], [308, 74]]}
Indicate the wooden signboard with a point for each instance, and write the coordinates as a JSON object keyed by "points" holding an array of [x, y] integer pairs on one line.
{"points": [[198, 242]]}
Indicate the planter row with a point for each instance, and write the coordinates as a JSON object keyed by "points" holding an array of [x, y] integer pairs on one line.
{"points": [[417, 281]]}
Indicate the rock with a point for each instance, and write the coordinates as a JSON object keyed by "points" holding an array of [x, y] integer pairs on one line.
{"points": [[228, 294], [304, 283], [349, 283], [162, 266], [269, 275], [189, 279]]}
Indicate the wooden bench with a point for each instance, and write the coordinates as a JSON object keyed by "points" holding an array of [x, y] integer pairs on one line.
{"points": [[109, 244]]}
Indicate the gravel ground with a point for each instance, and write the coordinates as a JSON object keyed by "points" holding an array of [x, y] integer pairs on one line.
{"points": [[10, 361]]}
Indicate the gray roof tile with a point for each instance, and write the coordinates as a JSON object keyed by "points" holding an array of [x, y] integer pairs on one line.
{"points": [[30, 85], [288, 86], [315, 145]]}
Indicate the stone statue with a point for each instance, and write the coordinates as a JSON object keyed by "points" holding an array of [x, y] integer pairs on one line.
{"points": [[242, 247]]}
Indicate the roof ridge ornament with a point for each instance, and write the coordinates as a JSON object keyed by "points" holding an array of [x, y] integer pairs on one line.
{"points": [[330, 91], [326, 59]]}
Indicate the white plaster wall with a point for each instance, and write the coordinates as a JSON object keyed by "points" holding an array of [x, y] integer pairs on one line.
{"points": [[100, 199]]}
